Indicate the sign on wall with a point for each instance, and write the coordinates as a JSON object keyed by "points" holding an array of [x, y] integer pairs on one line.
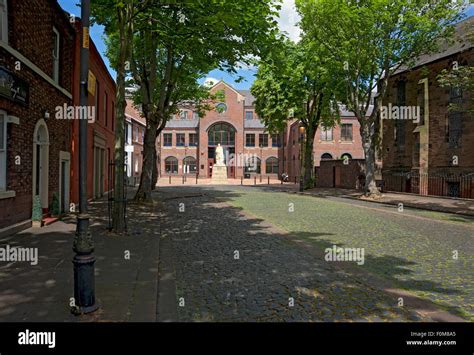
{"points": [[13, 87]]}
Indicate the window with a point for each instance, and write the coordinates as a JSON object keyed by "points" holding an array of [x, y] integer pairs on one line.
{"points": [[189, 164], [184, 115], [221, 133], [221, 107], [3, 150], [97, 102], [248, 115], [171, 165], [195, 115], [325, 156], [343, 156], [113, 116], [56, 41], [252, 165], [271, 165], [346, 132], [143, 134], [180, 140], [136, 133], [3, 21], [263, 140], [193, 139], [454, 129], [106, 112], [276, 141], [250, 140], [167, 139], [326, 134], [400, 124]]}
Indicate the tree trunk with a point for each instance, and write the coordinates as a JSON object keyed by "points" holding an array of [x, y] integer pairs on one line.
{"points": [[118, 216], [367, 131], [149, 163], [308, 160], [154, 176]]}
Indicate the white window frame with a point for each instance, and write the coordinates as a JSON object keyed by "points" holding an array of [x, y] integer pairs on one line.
{"points": [[3, 152], [57, 46], [3, 21]]}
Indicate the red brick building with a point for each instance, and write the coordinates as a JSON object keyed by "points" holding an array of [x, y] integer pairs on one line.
{"points": [[36, 61], [134, 136], [435, 155], [100, 135], [187, 145], [329, 144]]}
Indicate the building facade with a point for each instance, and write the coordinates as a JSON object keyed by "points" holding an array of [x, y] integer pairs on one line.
{"points": [[36, 61], [101, 127], [335, 143], [134, 137], [434, 155], [187, 144]]}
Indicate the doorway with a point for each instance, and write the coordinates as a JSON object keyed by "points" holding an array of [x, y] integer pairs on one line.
{"points": [[41, 163]]}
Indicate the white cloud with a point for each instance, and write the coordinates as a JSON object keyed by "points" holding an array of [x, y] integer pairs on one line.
{"points": [[288, 20]]}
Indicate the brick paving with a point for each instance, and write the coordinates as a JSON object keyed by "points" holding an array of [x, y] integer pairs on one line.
{"points": [[231, 267]]}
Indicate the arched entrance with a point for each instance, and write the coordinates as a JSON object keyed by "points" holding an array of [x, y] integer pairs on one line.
{"points": [[224, 134], [41, 162]]}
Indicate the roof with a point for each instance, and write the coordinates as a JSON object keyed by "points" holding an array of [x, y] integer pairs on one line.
{"points": [[132, 113], [181, 123], [249, 98], [447, 49], [254, 123]]}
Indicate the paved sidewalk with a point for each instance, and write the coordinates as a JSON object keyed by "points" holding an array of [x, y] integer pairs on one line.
{"points": [[125, 289], [430, 203]]}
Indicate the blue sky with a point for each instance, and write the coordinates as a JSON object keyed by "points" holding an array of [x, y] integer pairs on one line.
{"points": [[287, 22]]}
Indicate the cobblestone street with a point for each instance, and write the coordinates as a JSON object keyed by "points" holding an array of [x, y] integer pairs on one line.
{"points": [[230, 266]]}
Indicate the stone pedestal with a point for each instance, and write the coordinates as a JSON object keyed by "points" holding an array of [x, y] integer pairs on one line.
{"points": [[219, 174]]}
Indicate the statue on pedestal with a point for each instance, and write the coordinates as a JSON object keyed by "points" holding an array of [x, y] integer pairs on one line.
{"points": [[220, 155]]}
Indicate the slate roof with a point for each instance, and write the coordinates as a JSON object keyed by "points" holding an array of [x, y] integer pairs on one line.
{"points": [[447, 49], [182, 123], [249, 98]]}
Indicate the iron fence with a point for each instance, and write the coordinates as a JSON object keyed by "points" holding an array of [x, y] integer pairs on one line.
{"points": [[448, 185]]}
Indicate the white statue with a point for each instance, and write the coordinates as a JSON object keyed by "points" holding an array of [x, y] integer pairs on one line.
{"points": [[219, 155]]}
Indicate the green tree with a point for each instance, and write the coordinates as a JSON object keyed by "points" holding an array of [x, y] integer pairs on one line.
{"points": [[118, 18], [371, 39], [175, 46], [294, 81], [461, 77]]}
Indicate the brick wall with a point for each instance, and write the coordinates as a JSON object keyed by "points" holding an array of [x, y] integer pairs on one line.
{"points": [[30, 33], [334, 173]]}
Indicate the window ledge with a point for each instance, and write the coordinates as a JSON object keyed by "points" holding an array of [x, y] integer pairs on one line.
{"points": [[7, 194]]}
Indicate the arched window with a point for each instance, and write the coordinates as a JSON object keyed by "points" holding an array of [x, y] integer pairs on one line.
{"points": [[326, 156], [221, 133], [343, 156], [189, 165], [271, 165], [252, 165], [171, 165], [221, 107]]}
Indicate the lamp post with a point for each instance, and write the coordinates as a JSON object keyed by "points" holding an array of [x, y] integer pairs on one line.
{"points": [[302, 131], [261, 159], [84, 282]]}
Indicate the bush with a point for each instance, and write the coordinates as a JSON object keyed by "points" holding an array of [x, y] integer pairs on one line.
{"points": [[37, 213]]}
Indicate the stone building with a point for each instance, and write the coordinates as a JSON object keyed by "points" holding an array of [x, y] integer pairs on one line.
{"points": [[36, 63], [433, 156], [187, 144], [336, 143], [134, 137]]}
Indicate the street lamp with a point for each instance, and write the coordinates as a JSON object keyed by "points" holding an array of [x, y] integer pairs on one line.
{"points": [[302, 131], [185, 161], [261, 159], [84, 260]]}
